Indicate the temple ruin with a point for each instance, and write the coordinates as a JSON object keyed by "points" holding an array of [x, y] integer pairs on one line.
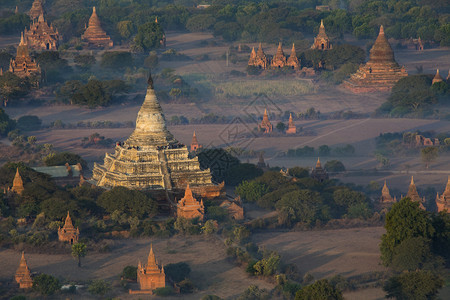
{"points": [[94, 35], [321, 41], [41, 36]]}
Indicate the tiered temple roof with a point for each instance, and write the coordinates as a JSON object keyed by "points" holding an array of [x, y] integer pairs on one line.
{"points": [[23, 276], [189, 208], [293, 61], [414, 195], [23, 65], [386, 197], [94, 34], [437, 77], [151, 158], [279, 59], [68, 233], [18, 183], [41, 36], [150, 276], [258, 59], [292, 129], [321, 41], [443, 201], [380, 73], [194, 143], [319, 173], [36, 10], [265, 125]]}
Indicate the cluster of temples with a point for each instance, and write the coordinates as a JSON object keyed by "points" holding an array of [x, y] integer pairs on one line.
{"points": [[94, 34], [151, 158], [279, 60], [442, 201], [380, 73]]}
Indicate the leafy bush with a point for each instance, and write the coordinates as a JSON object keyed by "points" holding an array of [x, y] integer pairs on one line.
{"points": [[99, 287], [130, 273], [164, 292], [28, 123], [177, 272], [46, 284]]}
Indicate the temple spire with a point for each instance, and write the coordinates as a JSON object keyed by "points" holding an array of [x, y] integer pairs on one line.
{"points": [[318, 164]]}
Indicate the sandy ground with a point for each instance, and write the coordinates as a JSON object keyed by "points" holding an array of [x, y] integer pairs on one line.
{"points": [[212, 272]]}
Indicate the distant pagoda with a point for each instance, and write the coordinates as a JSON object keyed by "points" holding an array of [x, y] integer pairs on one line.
{"points": [[386, 197], [414, 195], [68, 233], [319, 173], [41, 36], [94, 34], [18, 183], [293, 61], [189, 208], [443, 201], [292, 129], [437, 78], [321, 41], [258, 59], [150, 276], [265, 124], [279, 60], [23, 275], [36, 10], [380, 73], [151, 158], [23, 65]]}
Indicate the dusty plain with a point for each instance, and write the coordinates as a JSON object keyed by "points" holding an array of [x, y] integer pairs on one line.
{"points": [[348, 252]]}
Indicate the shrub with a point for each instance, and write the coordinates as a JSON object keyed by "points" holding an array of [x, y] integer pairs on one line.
{"points": [[177, 272], [99, 287], [130, 273], [46, 284], [164, 292]]}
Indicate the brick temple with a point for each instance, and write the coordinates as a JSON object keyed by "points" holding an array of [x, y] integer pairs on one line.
{"points": [[23, 65], [380, 73], [279, 60], [292, 129], [322, 41], [68, 233], [150, 276], [23, 275], [443, 201], [151, 158], [386, 197], [189, 208], [94, 35], [41, 36], [414, 195], [265, 124]]}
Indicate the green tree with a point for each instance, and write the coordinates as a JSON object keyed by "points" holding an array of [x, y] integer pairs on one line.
{"points": [[405, 220], [177, 272], [251, 191], [84, 61], [99, 287], [321, 289], [130, 273], [28, 123], [299, 172], [116, 60], [281, 127], [149, 36], [414, 254], [413, 285], [429, 154], [79, 250], [324, 150], [151, 61], [334, 166], [46, 284], [6, 124], [126, 29], [131, 202], [304, 203], [12, 87]]}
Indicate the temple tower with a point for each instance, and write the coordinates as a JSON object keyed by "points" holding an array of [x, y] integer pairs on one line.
{"points": [[36, 10], [18, 183], [151, 158], [189, 208], [319, 173], [23, 276], [321, 41], [443, 201], [279, 60], [259, 59], [94, 34], [68, 233], [265, 125], [380, 73], [414, 195], [261, 163], [194, 143], [23, 65], [437, 78], [386, 197], [41, 36], [292, 129], [150, 276], [293, 61]]}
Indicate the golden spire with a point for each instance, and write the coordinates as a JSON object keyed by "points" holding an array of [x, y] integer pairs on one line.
{"points": [[156, 19], [381, 30], [318, 164], [22, 42], [18, 183], [412, 181]]}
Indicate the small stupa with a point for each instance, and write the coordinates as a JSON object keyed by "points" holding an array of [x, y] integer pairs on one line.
{"points": [[94, 34]]}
